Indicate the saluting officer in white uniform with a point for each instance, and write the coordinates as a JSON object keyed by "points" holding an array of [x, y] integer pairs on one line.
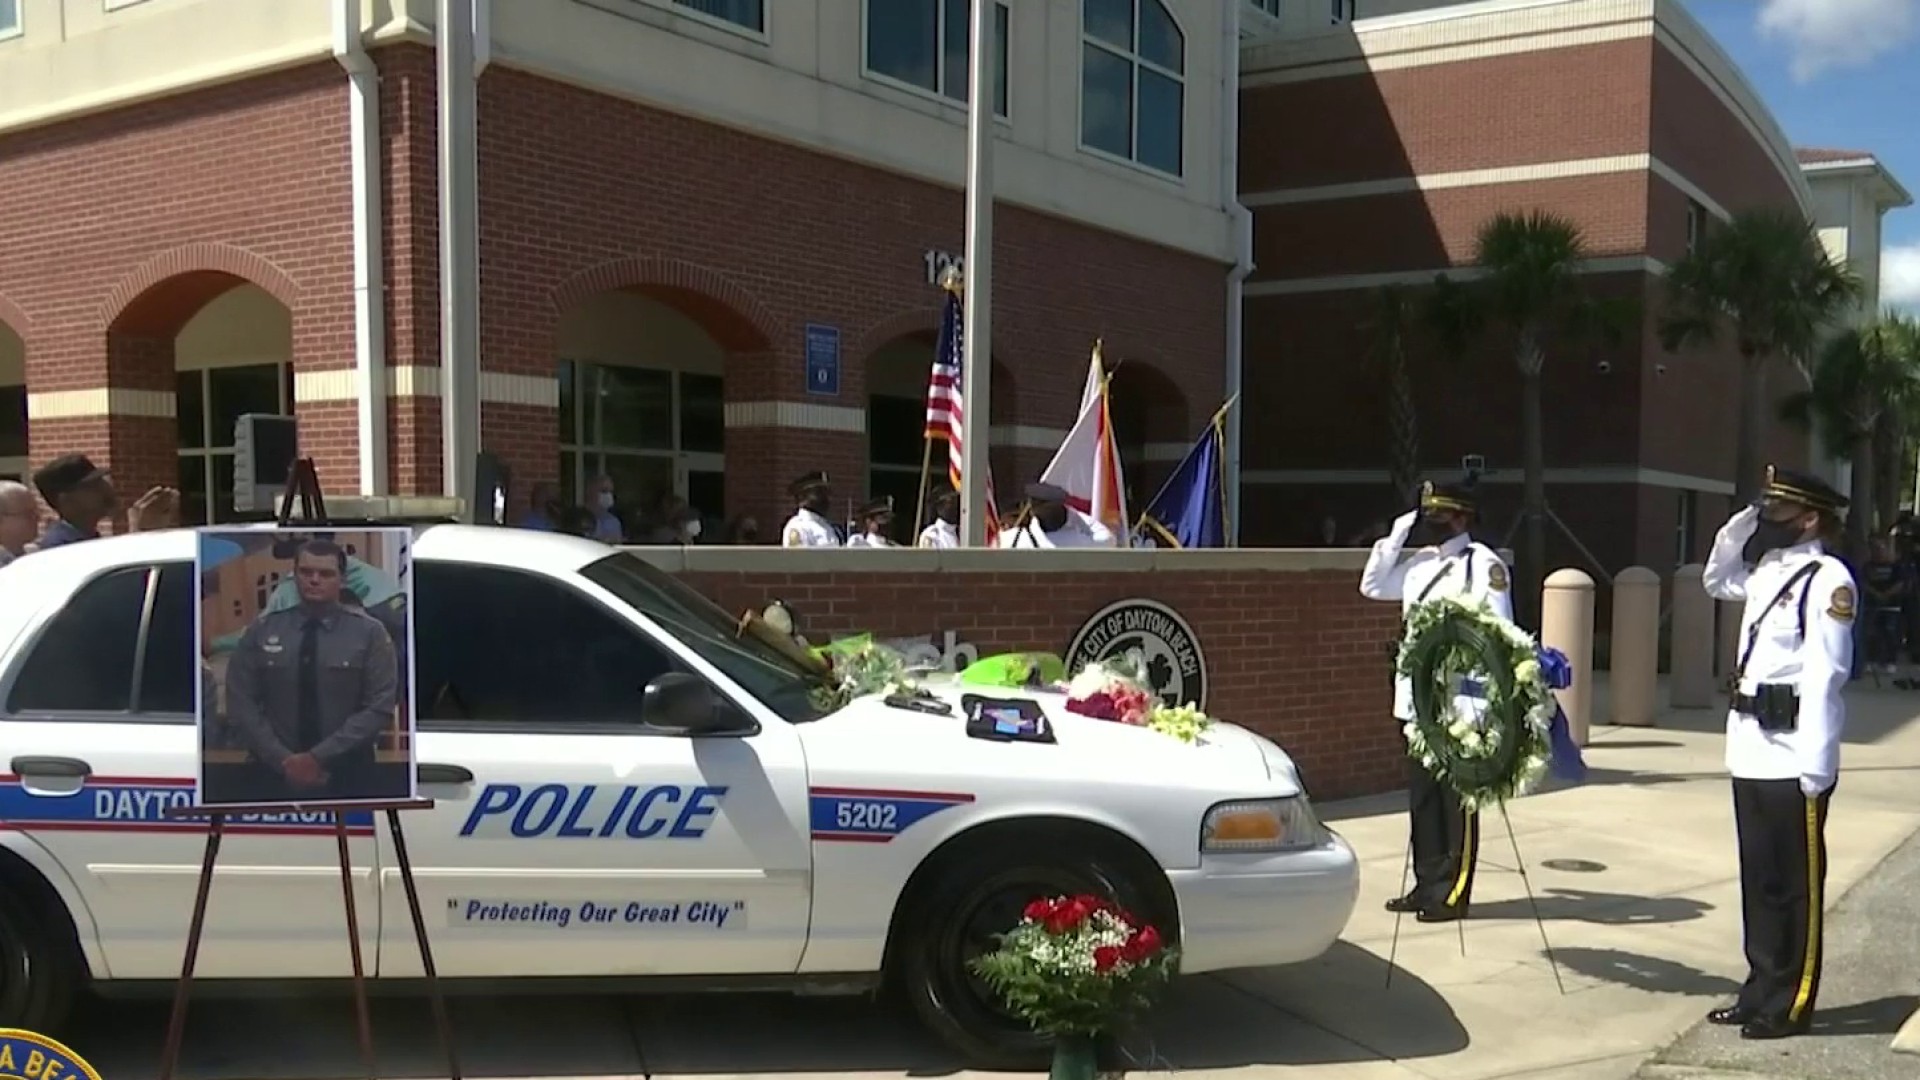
{"points": [[1051, 523], [1449, 563], [1783, 735], [944, 530], [875, 519], [809, 527]]}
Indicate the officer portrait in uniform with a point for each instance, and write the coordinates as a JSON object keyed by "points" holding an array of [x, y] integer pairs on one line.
{"points": [[306, 684], [1446, 562], [1785, 716]]}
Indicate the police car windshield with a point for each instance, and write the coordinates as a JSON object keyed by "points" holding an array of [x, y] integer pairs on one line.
{"points": [[765, 672]]}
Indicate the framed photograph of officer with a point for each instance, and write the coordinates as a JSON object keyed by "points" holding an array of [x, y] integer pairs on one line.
{"points": [[306, 684]]}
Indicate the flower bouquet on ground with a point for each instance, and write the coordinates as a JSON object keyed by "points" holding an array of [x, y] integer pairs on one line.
{"points": [[1116, 689], [1076, 969]]}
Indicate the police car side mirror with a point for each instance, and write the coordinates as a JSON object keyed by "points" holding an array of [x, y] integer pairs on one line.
{"points": [[683, 704]]}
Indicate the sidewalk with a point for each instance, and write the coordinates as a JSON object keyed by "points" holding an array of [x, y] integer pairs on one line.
{"points": [[1634, 874]]}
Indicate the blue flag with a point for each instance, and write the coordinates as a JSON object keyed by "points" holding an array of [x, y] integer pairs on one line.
{"points": [[1191, 509]]}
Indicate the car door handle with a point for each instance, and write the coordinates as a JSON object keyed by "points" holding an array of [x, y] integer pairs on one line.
{"points": [[65, 768], [441, 774]]}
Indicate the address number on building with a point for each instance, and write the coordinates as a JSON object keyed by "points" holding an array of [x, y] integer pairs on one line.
{"points": [[938, 262]]}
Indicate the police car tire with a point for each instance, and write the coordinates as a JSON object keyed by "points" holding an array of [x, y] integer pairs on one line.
{"points": [[40, 971], [944, 994]]}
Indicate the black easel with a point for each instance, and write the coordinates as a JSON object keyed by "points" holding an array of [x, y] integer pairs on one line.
{"points": [[303, 482]]}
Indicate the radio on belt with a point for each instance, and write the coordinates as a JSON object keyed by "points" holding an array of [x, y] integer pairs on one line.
{"points": [[1006, 719]]}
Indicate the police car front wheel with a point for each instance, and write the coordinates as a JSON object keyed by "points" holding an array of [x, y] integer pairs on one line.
{"points": [[957, 918]]}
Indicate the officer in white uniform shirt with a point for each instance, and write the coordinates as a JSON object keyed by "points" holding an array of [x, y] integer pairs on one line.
{"points": [[1051, 523], [1448, 563], [809, 527], [875, 519], [1783, 735], [944, 532]]}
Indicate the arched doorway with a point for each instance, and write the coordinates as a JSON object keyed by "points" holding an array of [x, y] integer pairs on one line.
{"points": [[898, 373], [232, 357], [1151, 425], [13, 405], [642, 400]]}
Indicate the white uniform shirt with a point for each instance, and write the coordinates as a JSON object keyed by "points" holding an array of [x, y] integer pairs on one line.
{"points": [[1080, 531], [1461, 568], [868, 540], [808, 529], [1815, 656], [940, 534]]}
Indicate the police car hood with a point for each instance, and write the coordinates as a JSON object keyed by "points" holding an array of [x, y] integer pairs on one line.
{"points": [[1227, 757]]}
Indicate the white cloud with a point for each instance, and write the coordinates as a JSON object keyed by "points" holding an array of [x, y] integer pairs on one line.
{"points": [[1835, 34], [1900, 276]]}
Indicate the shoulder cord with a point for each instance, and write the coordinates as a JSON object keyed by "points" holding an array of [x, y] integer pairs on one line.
{"points": [[1805, 573]]}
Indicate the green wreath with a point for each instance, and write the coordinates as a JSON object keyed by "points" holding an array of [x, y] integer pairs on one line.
{"points": [[1501, 754]]}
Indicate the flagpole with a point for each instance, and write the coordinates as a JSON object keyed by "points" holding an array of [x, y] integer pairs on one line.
{"points": [[926, 478], [977, 319]]}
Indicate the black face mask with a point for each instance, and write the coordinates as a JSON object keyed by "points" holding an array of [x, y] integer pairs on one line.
{"points": [[1052, 516], [949, 512], [1770, 535], [816, 502]]}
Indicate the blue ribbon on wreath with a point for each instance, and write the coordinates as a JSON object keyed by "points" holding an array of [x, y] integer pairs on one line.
{"points": [[1564, 761]]}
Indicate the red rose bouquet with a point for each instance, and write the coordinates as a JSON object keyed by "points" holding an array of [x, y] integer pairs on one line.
{"points": [[1077, 966], [1104, 693]]}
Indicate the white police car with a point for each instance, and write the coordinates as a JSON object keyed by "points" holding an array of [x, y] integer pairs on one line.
{"points": [[624, 789]]}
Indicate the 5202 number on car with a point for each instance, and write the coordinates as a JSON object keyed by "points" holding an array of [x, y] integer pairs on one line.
{"points": [[866, 816]]}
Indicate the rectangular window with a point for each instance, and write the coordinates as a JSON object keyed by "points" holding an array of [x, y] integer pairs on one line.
{"points": [[1133, 82], [13, 421], [9, 18], [1696, 224], [749, 14], [925, 43]]}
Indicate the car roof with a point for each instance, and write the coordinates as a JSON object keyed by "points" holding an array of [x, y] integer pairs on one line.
{"points": [[62, 569]]}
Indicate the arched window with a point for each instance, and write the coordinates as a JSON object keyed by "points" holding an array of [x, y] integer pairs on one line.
{"points": [[1133, 82]]}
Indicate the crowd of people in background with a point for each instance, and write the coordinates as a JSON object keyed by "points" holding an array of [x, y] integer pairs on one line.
{"points": [[82, 498]]}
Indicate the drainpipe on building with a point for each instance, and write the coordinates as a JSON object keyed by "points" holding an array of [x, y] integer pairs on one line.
{"points": [[369, 275], [1242, 254]]}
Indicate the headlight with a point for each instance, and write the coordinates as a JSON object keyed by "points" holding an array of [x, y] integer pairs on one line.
{"points": [[1262, 825]]}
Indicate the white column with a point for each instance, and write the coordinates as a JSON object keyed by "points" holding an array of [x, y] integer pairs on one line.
{"points": [[978, 329], [459, 251]]}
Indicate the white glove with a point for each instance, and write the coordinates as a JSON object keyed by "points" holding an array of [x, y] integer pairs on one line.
{"points": [[1403, 525], [1744, 523], [1812, 787]]}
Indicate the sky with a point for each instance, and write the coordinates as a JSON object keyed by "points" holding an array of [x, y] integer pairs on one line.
{"points": [[1840, 74]]}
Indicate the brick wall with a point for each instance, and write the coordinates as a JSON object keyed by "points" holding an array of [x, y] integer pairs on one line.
{"points": [[1294, 654], [119, 226]]}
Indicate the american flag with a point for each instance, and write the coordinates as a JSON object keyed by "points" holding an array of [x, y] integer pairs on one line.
{"points": [[946, 406]]}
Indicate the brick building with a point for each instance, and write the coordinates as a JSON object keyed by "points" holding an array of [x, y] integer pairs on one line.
{"points": [[1371, 154], [220, 206]]}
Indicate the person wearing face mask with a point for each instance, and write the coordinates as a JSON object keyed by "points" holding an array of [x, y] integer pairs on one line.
{"points": [[1051, 523], [944, 531], [1448, 562], [606, 524], [875, 519], [1783, 734], [809, 525]]}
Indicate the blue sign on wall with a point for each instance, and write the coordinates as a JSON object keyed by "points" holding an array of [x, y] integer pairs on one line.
{"points": [[823, 360]]}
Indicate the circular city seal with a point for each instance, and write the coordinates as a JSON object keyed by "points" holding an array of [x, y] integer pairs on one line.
{"points": [[1174, 664], [27, 1056]]}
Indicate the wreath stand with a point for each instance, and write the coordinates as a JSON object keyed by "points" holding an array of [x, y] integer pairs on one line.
{"points": [[303, 483], [1520, 865]]}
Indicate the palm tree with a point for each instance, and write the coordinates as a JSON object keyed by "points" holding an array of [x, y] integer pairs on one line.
{"points": [[1393, 314], [1765, 280], [1531, 291], [1863, 380]]}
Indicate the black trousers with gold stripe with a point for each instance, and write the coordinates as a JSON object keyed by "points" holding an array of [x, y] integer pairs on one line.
{"points": [[1446, 841], [1783, 877]]}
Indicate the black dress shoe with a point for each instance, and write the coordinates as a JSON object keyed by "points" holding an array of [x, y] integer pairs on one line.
{"points": [[1731, 1016], [1442, 913], [1773, 1027], [1409, 902]]}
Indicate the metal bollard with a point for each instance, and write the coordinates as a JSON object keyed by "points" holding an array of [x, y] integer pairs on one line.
{"points": [[1634, 671], [1566, 623], [1690, 681]]}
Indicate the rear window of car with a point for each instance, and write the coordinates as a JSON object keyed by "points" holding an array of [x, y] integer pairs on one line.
{"points": [[123, 644]]}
